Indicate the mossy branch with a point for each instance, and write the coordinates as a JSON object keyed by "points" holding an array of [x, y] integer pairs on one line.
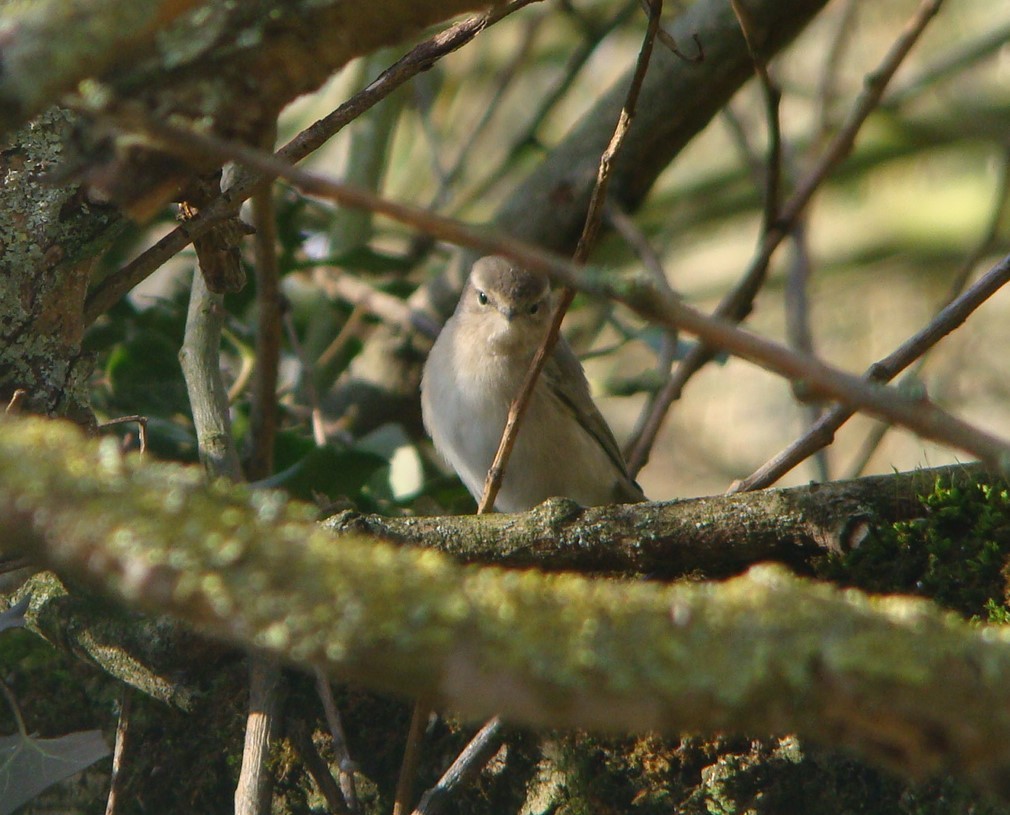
{"points": [[715, 537], [893, 679]]}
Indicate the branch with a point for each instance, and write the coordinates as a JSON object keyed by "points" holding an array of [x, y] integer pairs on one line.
{"points": [[736, 304], [639, 293], [419, 59], [822, 432], [891, 679], [715, 537]]}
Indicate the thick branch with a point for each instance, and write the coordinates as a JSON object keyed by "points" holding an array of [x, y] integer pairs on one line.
{"points": [[716, 537], [892, 679]]}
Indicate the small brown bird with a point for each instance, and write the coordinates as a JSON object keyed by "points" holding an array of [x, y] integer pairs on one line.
{"points": [[564, 446]]}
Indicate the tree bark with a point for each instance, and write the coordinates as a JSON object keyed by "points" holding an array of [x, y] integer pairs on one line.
{"points": [[892, 679]]}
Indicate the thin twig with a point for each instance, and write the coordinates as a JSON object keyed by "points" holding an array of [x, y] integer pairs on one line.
{"points": [[345, 763], [822, 433], [667, 39], [265, 678], [16, 401], [308, 381], [643, 298], [799, 333], [263, 413], [385, 306], [593, 35], [468, 764], [736, 305], [301, 740], [503, 81], [419, 59], [983, 246], [350, 330], [12, 702], [627, 229], [590, 230], [827, 85], [772, 97], [411, 755], [141, 428], [122, 728]]}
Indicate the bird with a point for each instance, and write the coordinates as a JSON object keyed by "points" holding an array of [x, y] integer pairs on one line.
{"points": [[564, 447]]}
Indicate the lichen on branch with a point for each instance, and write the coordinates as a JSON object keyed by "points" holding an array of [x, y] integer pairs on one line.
{"points": [[894, 679]]}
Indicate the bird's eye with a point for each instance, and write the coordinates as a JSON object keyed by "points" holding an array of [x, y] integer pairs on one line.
{"points": [[482, 298], [534, 308]]}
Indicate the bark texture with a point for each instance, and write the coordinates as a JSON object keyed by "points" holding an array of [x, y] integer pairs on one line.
{"points": [[893, 679]]}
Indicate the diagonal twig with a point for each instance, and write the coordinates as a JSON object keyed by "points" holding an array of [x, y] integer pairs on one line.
{"points": [[640, 295], [822, 433], [736, 304], [419, 59], [590, 230]]}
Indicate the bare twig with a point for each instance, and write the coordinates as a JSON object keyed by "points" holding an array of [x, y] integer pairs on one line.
{"points": [[669, 41], [504, 80], [17, 399], [12, 702], [263, 399], [591, 228], [122, 728], [411, 754], [984, 245], [419, 59], [627, 229], [772, 96], [827, 85], [592, 36], [301, 739], [736, 304], [386, 307], [822, 433], [474, 757], [308, 381], [351, 329], [347, 766], [799, 333]]}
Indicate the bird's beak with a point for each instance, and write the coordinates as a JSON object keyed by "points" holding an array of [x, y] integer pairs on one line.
{"points": [[508, 313]]}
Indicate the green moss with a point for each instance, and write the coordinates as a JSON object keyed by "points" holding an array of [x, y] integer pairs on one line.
{"points": [[957, 552]]}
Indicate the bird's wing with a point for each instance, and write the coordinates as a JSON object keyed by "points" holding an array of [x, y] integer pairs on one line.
{"points": [[564, 376]]}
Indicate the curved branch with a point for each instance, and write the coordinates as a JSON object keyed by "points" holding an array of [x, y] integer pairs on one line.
{"points": [[892, 679]]}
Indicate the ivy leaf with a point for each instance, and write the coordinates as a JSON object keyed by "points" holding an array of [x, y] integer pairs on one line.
{"points": [[28, 766]]}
